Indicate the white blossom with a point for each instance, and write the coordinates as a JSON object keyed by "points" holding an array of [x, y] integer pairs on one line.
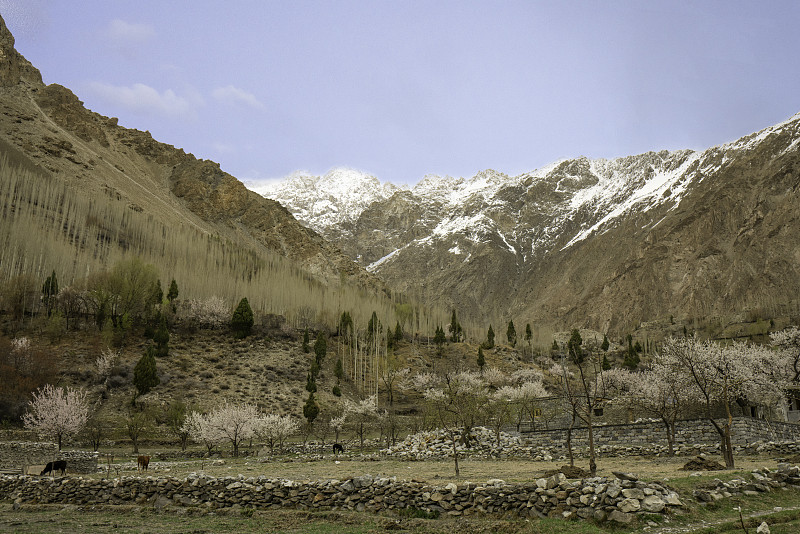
{"points": [[105, 362], [276, 428], [57, 413]]}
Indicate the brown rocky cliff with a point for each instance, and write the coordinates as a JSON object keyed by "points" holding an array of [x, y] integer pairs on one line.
{"points": [[14, 67]]}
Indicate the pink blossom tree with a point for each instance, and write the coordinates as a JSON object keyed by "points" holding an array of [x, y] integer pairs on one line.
{"points": [[57, 412]]}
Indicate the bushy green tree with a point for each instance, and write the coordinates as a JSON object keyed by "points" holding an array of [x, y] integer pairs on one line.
{"points": [[242, 320], [145, 374], [511, 334]]}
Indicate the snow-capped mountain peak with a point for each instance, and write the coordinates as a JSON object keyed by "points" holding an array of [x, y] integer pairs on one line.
{"points": [[339, 196]]}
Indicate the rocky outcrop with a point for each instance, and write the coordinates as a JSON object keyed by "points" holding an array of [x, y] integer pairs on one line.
{"points": [[13, 67]]}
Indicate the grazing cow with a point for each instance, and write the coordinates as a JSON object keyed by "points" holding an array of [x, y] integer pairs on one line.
{"points": [[142, 463], [52, 467], [337, 448]]}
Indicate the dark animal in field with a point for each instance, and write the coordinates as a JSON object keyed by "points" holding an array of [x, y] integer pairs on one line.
{"points": [[142, 463], [52, 467], [337, 448]]}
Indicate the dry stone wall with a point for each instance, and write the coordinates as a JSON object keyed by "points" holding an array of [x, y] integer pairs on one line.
{"points": [[17, 455], [616, 498], [745, 432]]}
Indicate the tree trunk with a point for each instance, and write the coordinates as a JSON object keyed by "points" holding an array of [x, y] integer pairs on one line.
{"points": [[569, 441], [670, 436], [592, 459], [455, 452]]}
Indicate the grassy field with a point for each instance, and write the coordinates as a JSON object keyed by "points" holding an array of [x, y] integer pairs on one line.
{"points": [[781, 508]]}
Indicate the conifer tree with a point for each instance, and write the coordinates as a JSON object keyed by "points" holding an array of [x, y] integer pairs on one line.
{"points": [[511, 334], [574, 347], [158, 293], [455, 329], [605, 344], [631, 360], [439, 339], [242, 320], [490, 338], [398, 332], [145, 375], [528, 333], [555, 347], [310, 409], [320, 348], [606, 364], [481, 359], [306, 347], [172, 293], [311, 382], [338, 371], [49, 292], [161, 338]]}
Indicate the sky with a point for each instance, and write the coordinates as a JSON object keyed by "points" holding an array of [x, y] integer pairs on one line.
{"points": [[401, 89]]}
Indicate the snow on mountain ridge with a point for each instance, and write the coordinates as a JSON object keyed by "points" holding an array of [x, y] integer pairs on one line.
{"points": [[338, 196]]}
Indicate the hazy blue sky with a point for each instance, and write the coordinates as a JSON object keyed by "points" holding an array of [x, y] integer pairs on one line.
{"points": [[405, 88]]}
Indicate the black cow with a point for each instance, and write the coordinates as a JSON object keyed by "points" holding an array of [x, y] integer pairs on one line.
{"points": [[337, 448], [52, 467]]}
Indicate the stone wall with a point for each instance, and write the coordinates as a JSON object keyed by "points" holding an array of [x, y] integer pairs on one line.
{"points": [[744, 431], [21, 454], [616, 498]]}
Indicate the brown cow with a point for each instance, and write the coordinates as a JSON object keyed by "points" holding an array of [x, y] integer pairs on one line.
{"points": [[143, 462]]}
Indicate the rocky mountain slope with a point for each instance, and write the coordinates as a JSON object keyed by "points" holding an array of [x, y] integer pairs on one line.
{"points": [[46, 128], [604, 244]]}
